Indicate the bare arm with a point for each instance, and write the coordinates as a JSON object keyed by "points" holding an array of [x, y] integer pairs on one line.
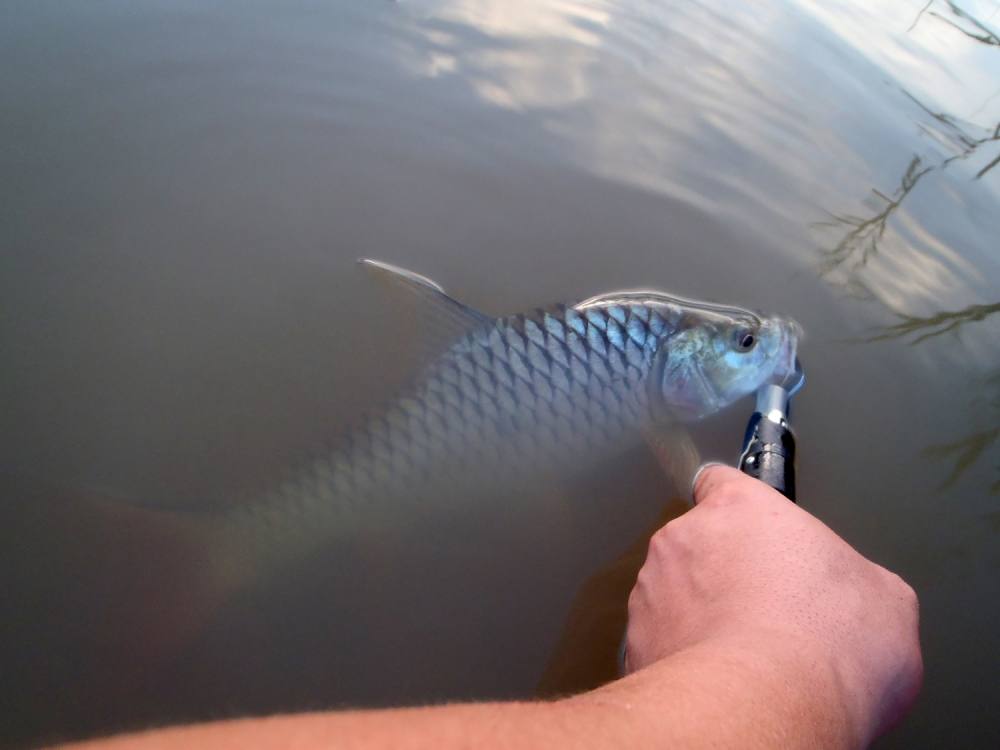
{"points": [[708, 696], [752, 625]]}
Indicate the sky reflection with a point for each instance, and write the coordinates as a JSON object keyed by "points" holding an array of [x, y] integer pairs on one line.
{"points": [[190, 186], [932, 59], [527, 55], [883, 185], [721, 114]]}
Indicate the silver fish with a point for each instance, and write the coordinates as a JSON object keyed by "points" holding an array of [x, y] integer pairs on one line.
{"points": [[527, 393], [506, 400]]}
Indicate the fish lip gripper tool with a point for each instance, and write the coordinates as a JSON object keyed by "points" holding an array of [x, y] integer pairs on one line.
{"points": [[769, 444]]}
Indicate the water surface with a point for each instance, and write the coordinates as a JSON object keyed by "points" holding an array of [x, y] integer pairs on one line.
{"points": [[187, 187]]}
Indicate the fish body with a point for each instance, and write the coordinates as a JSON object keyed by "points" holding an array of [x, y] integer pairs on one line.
{"points": [[523, 390], [524, 394], [502, 402]]}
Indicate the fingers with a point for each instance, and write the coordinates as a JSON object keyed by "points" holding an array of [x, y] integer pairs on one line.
{"points": [[710, 483], [718, 485], [698, 475]]}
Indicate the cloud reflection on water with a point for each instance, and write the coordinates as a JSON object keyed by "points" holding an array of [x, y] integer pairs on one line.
{"points": [[721, 114], [516, 55], [926, 56], [863, 238], [721, 111]]}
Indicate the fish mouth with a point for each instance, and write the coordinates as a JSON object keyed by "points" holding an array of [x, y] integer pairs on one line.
{"points": [[786, 367]]}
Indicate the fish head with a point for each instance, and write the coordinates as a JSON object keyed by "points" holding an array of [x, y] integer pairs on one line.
{"points": [[705, 356], [717, 355]]}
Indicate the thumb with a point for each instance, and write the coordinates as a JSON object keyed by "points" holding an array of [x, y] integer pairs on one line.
{"points": [[710, 479]]}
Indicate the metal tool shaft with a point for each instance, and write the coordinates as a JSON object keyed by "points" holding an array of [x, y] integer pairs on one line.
{"points": [[769, 443]]}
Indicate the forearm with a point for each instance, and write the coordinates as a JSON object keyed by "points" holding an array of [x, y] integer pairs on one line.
{"points": [[749, 691], [714, 694]]}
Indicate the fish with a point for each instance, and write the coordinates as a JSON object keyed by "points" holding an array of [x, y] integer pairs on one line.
{"points": [[499, 404], [517, 396]]}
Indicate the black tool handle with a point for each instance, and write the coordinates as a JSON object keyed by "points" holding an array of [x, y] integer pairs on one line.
{"points": [[769, 454]]}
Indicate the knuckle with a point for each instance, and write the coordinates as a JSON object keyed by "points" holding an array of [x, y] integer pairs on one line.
{"points": [[901, 587], [720, 485], [637, 597], [671, 537], [632, 604], [903, 592], [664, 536], [632, 651], [673, 527], [725, 493]]}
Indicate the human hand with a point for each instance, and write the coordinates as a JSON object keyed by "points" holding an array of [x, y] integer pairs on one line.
{"points": [[749, 567]]}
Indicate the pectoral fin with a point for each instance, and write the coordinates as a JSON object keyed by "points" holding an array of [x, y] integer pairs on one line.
{"points": [[675, 451]]}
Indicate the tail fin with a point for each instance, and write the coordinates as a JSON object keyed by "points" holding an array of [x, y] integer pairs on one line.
{"points": [[104, 587]]}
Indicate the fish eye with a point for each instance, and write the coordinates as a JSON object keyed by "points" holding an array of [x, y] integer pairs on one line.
{"points": [[745, 340]]}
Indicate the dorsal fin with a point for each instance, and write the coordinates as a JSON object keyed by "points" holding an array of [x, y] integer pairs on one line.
{"points": [[448, 317], [402, 275]]}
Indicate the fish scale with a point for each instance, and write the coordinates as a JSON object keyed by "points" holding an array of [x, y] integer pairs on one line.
{"points": [[492, 404], [510, 401]]}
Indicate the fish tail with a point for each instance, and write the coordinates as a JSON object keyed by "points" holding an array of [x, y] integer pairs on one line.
{"points": [[141, 584]]}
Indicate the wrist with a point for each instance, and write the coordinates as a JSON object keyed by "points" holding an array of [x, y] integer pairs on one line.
{"points": [[753, 688], [810, 675]]}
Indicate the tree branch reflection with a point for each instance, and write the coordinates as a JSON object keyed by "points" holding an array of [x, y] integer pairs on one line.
{"points": [[996, 159], [965, 452], [985, 37], [935, 325], [860, 242], [920, 15]]}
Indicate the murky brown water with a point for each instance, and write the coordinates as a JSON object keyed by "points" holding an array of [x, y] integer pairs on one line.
{"points": [[186, 188]]}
